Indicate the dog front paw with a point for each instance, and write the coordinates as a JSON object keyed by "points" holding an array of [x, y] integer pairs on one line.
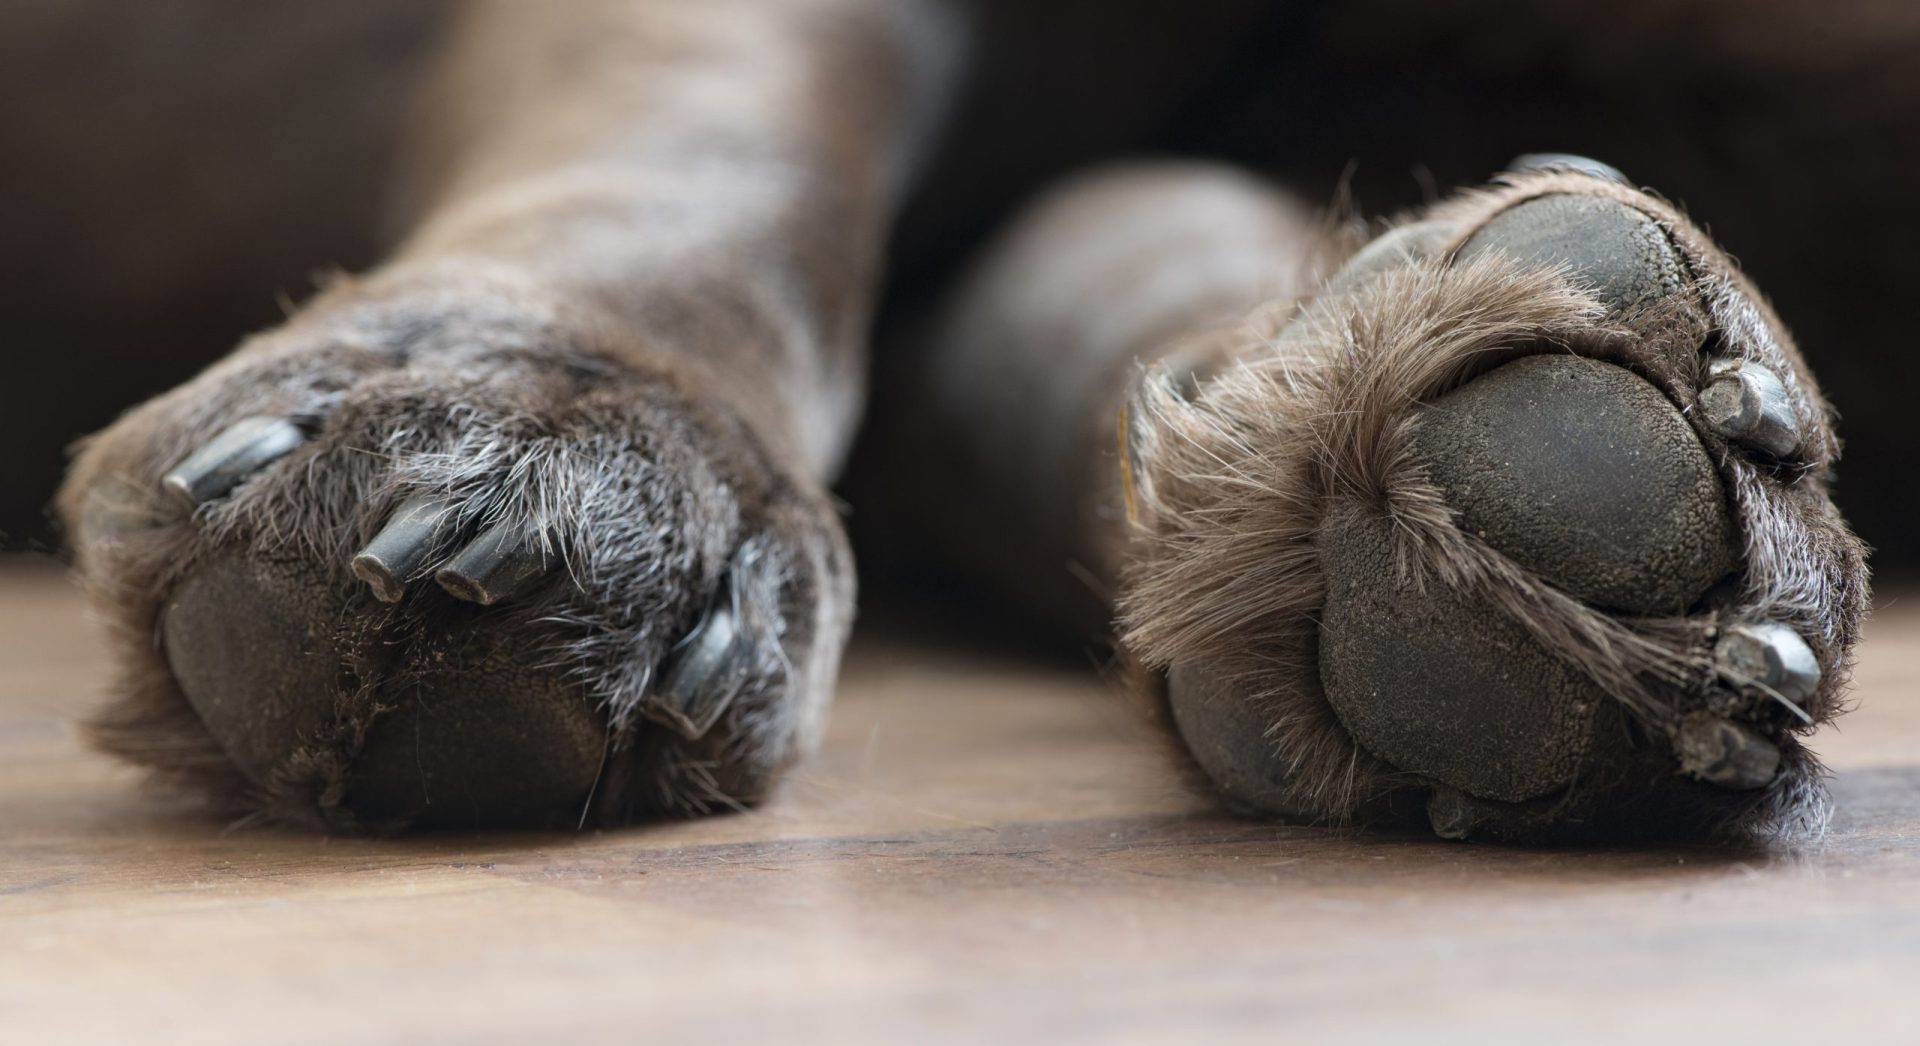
{"points": [[1522, 522], [438, 556]]}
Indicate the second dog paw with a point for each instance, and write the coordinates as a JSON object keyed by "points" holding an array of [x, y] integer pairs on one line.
{"points": [[1525, 513]]}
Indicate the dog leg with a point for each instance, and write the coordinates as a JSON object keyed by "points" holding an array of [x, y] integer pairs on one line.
{"points": [[1516, 524], [530, 523]]}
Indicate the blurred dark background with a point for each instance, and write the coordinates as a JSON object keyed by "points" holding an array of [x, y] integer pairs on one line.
{"points": [[177, 173]]}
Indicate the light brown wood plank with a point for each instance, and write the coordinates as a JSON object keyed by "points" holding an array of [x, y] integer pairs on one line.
{"points": [[986, 849]]}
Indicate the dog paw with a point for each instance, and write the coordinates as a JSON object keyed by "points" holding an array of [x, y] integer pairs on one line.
{"points": [[434, 555], [1520, 523]]}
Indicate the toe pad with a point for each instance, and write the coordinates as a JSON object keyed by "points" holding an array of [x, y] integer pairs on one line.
{"points": [[1620, 253], [1445, 685], [1585, 474], [1226, 733]]}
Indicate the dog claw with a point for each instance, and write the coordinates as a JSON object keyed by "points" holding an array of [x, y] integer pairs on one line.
{"points": [[1451, 814], [1566, 162], [1748, 404], [402, 546], [1725, 754], [703, 676], [493, 566], [1770, 656], [241, 449]]}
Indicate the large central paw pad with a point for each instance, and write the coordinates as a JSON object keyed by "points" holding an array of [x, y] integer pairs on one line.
{"points": [[1523, 515], [456, 722]]}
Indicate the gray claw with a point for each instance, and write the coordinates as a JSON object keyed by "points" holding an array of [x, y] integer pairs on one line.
{"points": [[493, 566], [1770, 656], [402, 546], [242, 448], [702, 677], [1566, 162], [1747, 403], [1451, 814], [1724, 753]]}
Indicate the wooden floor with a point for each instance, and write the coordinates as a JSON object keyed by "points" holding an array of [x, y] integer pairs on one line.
{"points": [[986, 850]]}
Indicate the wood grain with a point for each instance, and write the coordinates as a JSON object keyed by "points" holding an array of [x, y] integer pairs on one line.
{"points": [[987, 849]]}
